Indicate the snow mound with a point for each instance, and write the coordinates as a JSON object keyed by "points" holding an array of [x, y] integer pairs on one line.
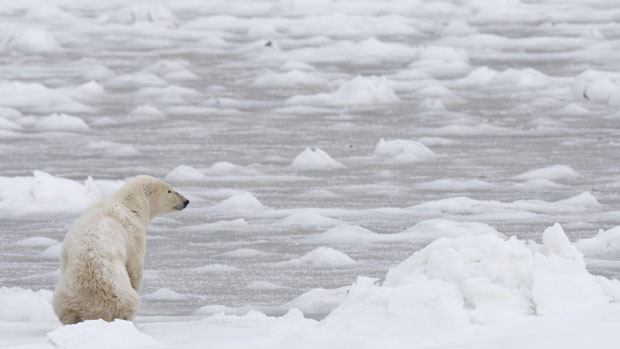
{"points": [[402, 151], [358, 91], [53, 252], [185, 173], [596, 86], [91, 91], [519, 78], [240, 202], [99, 334], [292, 78], [346, 233], [215, 268], [318, 301], [61, 122], [323, 257], [444, 290], [146, 112], [604, 245], [550, 173], [20, 305], [150, 13], [164, 294], [58, 190], [308, 218], [455, 185], [37, 241], [433, 229], [113, 149], [224, 168], [314, 159], [9, 125], [431, 104], [39, 98], [32, 41], [245, 253], [263, 285]]}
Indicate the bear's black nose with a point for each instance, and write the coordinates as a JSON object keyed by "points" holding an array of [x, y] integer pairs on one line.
{"points": [[186, 202]]}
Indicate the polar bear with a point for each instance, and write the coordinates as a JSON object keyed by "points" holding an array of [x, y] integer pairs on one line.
{"points": [[103, 252]]}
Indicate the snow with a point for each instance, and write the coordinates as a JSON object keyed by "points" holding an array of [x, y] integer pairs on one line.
{"points": [[37, 241], [61, 122], [241, 202], [358, 91], [164, 294], [361, 173], [554, 172], [323, 257], [100, 334], [400, 151], [314, 159], [19, 305]]}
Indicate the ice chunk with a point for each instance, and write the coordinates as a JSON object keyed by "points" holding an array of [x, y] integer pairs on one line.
{"points": [[314, 159]]}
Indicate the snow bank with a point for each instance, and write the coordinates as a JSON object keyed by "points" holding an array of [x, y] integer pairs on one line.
{"points": [[550, 173], [314, 159], [61, 122], [322, 257], [401, 151], [358, 91], [99, 334], [19, 305]]}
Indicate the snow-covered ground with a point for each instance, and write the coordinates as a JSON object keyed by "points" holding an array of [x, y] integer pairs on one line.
{"points": [[361, 173]]}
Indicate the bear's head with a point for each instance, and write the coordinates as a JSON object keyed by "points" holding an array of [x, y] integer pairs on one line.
{"points": [[162, 197]]}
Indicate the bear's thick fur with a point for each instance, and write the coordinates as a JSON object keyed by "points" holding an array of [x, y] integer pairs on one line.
{"points": [[103, 252]]}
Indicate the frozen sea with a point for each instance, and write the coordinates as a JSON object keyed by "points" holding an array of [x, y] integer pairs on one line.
{"points": [[317, 141]]}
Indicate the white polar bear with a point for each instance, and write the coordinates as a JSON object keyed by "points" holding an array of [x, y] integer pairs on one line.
{"points": [[103, 252]]}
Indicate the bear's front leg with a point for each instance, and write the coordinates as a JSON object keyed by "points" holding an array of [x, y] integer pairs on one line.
{"points": [[135, 276]]}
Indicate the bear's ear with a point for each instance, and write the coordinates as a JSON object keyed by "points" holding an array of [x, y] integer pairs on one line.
{"points": [[148, 187]]}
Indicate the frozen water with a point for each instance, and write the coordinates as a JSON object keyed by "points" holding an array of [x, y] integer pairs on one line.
{"points": [[471, 121]]}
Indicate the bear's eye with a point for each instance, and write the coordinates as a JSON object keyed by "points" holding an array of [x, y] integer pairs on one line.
{"points": [[169, 191]]}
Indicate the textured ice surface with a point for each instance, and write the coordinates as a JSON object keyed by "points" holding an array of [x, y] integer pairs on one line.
{"points": [[506, 117]]}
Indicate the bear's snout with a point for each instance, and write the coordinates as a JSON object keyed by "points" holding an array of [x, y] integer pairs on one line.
{"points": [[183, 204]]}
